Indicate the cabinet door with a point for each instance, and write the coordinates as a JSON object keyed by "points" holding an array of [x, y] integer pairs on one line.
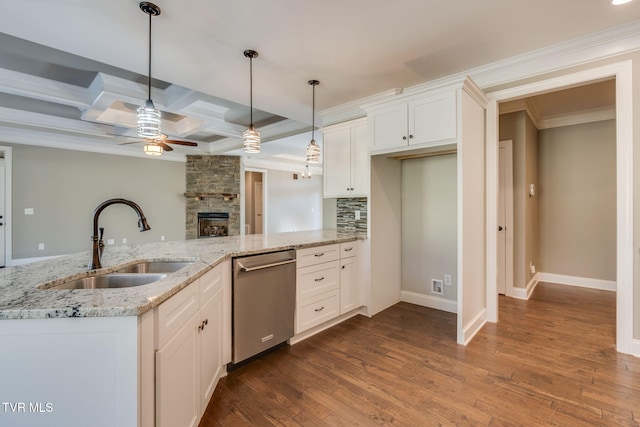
{"points": [[432, 119], [360, 161], [388, 128], [349, 285], [178, 378], [211, 359], [337, 162]]}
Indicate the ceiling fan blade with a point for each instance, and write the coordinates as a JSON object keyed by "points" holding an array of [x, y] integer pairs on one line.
{"points": [[130, 142], [164, 146], [187, 143]]}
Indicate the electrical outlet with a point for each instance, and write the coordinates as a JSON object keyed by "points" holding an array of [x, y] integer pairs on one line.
{"points": [[162, 238], [28, 211], [532, 268], [41, 246], [124, 240], [357, 213], [447, 280], [110, 241], [436, 287]]}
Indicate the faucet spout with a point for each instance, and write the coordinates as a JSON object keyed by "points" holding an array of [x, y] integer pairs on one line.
{"points": [[97, 244]]}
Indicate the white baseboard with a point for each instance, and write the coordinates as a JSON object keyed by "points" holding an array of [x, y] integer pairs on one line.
{"points": [[562, 279], [525, 293], [635, 349], [429, 301], [584, 282], [473, 327]]}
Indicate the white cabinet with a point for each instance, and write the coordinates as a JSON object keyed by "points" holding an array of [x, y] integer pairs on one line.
{"points": [[190, 354], [416, 122], [346, 160], [350, 283], [327, 284], [317, 286]]}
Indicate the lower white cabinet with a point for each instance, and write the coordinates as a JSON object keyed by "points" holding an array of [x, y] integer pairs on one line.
{"points": [[190, 361], [350, 282], [327, 284]]}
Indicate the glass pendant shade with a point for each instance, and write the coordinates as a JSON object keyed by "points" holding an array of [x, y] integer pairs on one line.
{"points": [[149, 121], [251, 138], [313, 152], [153, 149]]}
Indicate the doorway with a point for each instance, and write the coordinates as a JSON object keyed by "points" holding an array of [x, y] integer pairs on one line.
{"points": [[505, 217], [254, 202], [622, 73]]}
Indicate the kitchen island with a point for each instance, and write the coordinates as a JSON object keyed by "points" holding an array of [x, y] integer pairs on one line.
{"points": [[93, 356]]}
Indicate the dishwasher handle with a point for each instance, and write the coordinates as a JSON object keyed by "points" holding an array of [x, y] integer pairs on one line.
{"points": [[261, 267]]}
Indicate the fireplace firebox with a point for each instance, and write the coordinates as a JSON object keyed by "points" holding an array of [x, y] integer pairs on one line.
{"points": [[213, 224]]}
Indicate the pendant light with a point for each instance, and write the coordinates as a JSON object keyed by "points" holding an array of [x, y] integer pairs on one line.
{"points": [[149, 117], [313, 150], [251, 136], [306, 174]]}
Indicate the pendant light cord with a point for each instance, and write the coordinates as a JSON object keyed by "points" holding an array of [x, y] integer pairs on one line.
{"points": [[251, 89], [313, 113], [149, 79]]}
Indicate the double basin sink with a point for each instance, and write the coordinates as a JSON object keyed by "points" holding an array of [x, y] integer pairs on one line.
{"points": [[137, 274]]}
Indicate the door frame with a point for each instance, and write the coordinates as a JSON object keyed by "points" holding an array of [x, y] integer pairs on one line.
{"points": [[8, 209], [622, 72], [508, 217], [264, 197]]}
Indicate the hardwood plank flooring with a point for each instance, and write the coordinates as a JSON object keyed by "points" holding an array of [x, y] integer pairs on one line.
{"points": [[550, 360]]}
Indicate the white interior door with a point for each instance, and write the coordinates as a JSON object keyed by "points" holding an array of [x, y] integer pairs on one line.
{"points": [[505, 218], [258, 207], [2, 215]]}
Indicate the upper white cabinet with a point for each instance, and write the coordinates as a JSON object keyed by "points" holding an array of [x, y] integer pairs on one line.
{"points": [[415, 122], [346, 159]]}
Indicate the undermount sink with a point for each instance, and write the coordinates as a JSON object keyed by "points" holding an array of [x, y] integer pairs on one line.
{"points": [[145, 267], [108, 281]]}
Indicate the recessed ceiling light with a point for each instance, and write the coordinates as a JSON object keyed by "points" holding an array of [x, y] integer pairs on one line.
{"points": [[617, 2]]}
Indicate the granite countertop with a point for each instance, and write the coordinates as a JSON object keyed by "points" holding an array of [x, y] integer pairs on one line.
{"points": [[21, 299]]}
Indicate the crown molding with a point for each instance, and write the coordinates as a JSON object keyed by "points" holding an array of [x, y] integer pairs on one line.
{"points": [[593, 47]]}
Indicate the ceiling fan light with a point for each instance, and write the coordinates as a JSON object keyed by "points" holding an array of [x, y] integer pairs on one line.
{"points": [[313, 152], [251, 138], [149, 121], [153, 149], [619, 2]]}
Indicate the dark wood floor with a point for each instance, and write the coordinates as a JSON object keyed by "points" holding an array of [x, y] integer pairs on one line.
{"points": [[549, 361]]}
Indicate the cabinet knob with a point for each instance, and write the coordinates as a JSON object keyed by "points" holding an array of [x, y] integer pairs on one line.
{"points": [[404, 138], [410, 136]]}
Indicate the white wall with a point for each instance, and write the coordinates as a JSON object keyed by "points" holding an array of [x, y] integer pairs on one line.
{"points": [[293, 204], [429, 224]]}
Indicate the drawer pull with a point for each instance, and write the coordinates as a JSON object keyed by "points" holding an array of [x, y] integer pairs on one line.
{"points": [[319, 279], [319, 309], [204, 323], [348, 249], [320, 254]]}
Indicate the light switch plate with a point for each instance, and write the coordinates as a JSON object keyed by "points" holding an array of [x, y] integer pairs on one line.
{"points": [[28, 211]]}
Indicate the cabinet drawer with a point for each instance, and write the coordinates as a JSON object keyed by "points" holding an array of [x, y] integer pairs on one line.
{"points": [[316, 279], [314, 311], [175, 312], [348, 249], [317, 255]]}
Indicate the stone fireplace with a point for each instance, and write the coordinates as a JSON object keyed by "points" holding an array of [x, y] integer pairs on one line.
{"points": [[213, 185]]}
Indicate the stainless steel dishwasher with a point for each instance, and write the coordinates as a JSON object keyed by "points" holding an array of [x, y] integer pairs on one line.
{"points": [[264, 296]]}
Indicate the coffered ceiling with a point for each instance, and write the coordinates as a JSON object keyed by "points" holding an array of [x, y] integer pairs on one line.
{"points": [[72, 72]]}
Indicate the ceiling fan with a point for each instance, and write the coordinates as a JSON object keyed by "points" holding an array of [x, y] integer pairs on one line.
{"points": [[163, 142]]}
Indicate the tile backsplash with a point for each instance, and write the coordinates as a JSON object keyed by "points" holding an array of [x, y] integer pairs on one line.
{"points": [[346, 214]]}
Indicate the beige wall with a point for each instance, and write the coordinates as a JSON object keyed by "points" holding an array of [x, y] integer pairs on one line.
{"points": [[519, 128], [429, 224], [64, 187], [577, 194]]}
